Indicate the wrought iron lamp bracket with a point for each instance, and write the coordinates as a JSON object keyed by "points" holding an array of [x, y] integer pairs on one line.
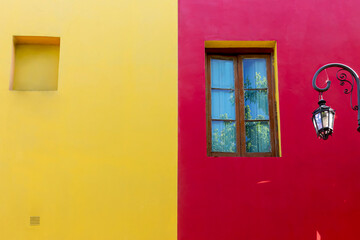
{"points": [[342, 77]]}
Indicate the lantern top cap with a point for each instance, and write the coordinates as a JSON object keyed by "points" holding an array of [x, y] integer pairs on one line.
{"points": [[321, 102], [322, 107]]}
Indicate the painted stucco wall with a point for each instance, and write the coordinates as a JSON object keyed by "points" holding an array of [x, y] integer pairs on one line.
{"points": [[96, 159], [314, 187]]}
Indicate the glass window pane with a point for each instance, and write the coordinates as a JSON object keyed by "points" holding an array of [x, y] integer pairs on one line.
{"points": [[257, 136], [223, 104], [223, 136], [222, 73], [256, 105], [254, 71]]}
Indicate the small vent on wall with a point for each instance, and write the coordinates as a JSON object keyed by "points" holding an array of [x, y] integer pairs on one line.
{"points": [[34, 220]]}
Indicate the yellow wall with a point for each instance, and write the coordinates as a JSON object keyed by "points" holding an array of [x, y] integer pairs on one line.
{"points": [[95, 159]]}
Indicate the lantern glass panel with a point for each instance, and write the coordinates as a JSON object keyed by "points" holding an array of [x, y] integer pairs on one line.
{"points": [[331, 120], [325, 118], [318, 121], [315, 126]]}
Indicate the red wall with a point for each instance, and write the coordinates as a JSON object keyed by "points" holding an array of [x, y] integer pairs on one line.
{"points": [[315, 185]]}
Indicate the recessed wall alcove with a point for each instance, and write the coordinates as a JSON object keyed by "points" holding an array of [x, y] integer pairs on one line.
{"points": [[36, 63]]}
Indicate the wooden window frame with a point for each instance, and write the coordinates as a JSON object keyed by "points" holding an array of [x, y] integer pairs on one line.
{"points": [[237, 55]]}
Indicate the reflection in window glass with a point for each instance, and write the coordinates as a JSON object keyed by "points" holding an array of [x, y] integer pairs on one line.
{"points": [[256, 105], [254, 73], [223, 136], [257, 136], [223, 105], [222, 73]]}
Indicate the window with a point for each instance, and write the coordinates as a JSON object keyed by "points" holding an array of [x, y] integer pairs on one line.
{"points": [[241, 107]]}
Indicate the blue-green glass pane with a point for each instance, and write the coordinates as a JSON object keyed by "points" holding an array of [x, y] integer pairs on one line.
{"points": [[223, 104], [222, 73], [223, 136], [257, 136], [256, 105], [254, 71]]}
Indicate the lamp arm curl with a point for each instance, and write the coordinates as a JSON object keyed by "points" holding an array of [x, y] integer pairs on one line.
{"points": [[343, 79]]}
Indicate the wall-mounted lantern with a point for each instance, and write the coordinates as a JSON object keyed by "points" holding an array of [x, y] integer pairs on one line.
{"points": [[324, 116], [323, 120]]}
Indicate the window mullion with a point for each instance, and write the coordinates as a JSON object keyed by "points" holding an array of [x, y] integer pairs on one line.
{"points": [[236, 77], [241, 106]]}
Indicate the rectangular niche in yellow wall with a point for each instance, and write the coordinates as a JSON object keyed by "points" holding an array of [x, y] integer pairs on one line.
{"points": [[36, 63]]}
